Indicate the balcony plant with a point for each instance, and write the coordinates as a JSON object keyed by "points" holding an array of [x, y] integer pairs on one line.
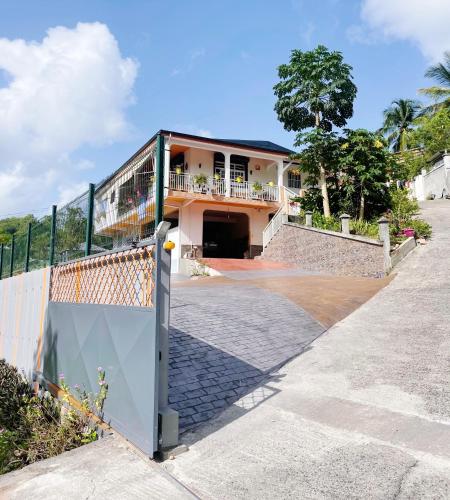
{"points": [[256, 189], [239, 179], [200, 181], [178, 170]]}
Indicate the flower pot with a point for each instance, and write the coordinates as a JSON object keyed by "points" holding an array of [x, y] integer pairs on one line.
{"points": [[408, 232]]}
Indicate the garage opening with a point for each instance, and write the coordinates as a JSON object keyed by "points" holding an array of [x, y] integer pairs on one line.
{"points": [[225, 234]]}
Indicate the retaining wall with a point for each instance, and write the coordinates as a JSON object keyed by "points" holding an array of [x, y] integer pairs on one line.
{"points": [[326, 251]]}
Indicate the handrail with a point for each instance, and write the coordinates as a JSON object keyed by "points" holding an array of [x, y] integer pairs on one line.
{"points": [[274, 225]]}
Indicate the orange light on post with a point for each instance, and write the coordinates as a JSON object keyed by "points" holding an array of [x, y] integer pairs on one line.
{"points": [[169, 245]]}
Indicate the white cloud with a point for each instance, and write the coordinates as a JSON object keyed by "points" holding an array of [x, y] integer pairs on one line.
{"points": [[425, 23], [69, 90], [69, 193]]}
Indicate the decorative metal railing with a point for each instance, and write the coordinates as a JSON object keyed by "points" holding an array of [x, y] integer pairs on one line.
{"points": [[123, 278]]}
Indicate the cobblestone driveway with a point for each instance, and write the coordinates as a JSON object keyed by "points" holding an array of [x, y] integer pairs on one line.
{"points": [[224, 341]]}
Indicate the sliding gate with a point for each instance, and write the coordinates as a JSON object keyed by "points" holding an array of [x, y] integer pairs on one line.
{"points": [[110, 312]]}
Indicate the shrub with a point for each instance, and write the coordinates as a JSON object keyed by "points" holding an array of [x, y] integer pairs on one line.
{"points": [[14, 390], [422, 228], [364, 228], [328, 223], [43, 426], [402, 215], [403, 208]]}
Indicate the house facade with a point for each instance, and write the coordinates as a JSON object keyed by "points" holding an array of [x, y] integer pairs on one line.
{"points": [[219, 195]]}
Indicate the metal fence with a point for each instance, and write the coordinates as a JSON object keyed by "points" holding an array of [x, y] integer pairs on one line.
{"points": [[123, 278], [125, 213]]}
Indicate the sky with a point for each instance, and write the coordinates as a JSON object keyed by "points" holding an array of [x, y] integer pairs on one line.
{"points": [[84, 84]]}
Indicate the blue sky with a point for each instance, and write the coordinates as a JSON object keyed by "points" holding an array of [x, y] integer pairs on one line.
{"points": [[205, 67]]}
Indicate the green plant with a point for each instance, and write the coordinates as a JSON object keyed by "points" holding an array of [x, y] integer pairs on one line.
{"points": [[422, 228], [14, 389], [364, 228], [45, 426], [200, 179], [398, 122], [315, 90], [257, 187], [440, 93], [328, 223], [403, 208]]}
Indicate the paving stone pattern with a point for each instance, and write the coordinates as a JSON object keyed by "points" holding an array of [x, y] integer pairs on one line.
{"points": [[224, 341]]}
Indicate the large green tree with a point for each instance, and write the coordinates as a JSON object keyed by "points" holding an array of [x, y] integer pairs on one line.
{"points": [[399, 121], [439, 93], [364, 166], [315, 91]]}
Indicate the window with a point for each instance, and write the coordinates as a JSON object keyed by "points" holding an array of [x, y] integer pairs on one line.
{"points": [[238, 166], [294, 179], [113, 197]]}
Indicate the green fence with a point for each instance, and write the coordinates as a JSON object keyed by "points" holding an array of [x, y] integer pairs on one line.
{"points": [[93, 224]]}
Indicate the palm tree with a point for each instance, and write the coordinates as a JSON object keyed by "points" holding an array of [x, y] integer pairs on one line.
{"points": [[398, 122], [440, 93]]}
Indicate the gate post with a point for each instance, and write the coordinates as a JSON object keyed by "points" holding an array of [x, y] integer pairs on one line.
{"points": [[168, 418], [90, 220], [11, 260], [159, 201], [1, 260], [27, 256], [51, 256]]}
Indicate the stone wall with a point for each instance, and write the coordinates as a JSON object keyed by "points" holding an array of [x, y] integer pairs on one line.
{"points": [[326, 251]]}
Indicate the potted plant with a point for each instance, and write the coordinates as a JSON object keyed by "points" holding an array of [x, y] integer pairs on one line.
{"points": [[217, 177], [200, 181], [239, 179], [257, 189], [178, 170]]}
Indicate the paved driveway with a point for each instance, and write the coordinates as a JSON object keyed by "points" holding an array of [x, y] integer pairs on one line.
{"points": [[364, 413], [225, 340]]}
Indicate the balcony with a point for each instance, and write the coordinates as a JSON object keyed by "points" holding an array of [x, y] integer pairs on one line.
{"points": [[202, 184]]}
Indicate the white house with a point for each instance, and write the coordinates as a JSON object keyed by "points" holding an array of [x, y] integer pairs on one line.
{"points": [[220, 194]]}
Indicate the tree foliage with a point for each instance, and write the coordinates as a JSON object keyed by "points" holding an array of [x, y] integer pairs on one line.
{"points": [[364, 166], [315, 91], [14, 225], [398, 122], [316, 82], [439, 93]]}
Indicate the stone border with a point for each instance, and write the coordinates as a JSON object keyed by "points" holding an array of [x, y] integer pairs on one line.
{"points": [[353, 237], [402, 251]]}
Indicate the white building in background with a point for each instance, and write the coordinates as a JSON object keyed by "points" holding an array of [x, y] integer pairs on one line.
{"points": [[434, 182], [220, 194]]}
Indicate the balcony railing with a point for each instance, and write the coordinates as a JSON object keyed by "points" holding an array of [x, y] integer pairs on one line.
{"points": [[210, 185]]}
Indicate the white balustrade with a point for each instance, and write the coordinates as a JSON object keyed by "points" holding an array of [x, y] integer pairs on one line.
{"points": [[246, 190]]}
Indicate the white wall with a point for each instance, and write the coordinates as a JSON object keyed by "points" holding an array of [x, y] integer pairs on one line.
{"points": [[191, 222], [434, 181], [23, 301]]}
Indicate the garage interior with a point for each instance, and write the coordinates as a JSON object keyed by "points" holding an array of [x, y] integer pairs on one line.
{"points": [[225, 234]]}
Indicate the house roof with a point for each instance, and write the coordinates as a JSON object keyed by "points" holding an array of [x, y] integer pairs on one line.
{"points": [[264, 146]]}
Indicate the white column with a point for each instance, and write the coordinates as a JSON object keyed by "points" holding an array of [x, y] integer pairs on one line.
{"points": [[227, 174], [280, 172], [166, 162]]}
